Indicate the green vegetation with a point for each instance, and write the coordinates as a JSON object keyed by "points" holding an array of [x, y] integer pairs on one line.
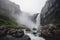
{"points": [[6, 21]]}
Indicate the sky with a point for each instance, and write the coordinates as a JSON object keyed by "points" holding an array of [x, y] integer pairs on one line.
{"points": [[31, 6]]}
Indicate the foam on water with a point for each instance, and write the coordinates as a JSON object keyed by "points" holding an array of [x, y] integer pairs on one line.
{"points": [[34, 37]]}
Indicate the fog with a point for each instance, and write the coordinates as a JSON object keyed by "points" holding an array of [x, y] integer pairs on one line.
{"points": [[31, 6], [24, 18], [12, 10]]}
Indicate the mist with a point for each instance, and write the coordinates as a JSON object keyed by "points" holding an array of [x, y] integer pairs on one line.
{"points": [[24, 18], [12, 10]]}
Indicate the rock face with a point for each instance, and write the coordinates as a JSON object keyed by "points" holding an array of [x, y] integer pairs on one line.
{"points": [[9, 8], [50, 19], [8, 12], [34, 17]]}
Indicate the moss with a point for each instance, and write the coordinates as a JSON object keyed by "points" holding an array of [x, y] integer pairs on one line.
{"points": [[6, 21]]}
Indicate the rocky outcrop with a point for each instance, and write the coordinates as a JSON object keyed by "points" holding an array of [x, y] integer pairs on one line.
{"points": [[9, 8], [34, 17], [8, 13], [50, 14], [51, 32]]}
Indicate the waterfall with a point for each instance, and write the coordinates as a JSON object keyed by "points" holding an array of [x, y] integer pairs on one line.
{"points": [[11, 9], [38, 21]]}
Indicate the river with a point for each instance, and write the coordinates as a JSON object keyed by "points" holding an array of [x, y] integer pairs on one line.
{"points": [[34, 37]]}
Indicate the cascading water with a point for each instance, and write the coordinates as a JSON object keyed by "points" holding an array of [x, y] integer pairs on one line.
{"points": [[21, 17]]}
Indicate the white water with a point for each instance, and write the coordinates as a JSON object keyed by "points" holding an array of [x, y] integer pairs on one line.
{"points": [[34, 37]]}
